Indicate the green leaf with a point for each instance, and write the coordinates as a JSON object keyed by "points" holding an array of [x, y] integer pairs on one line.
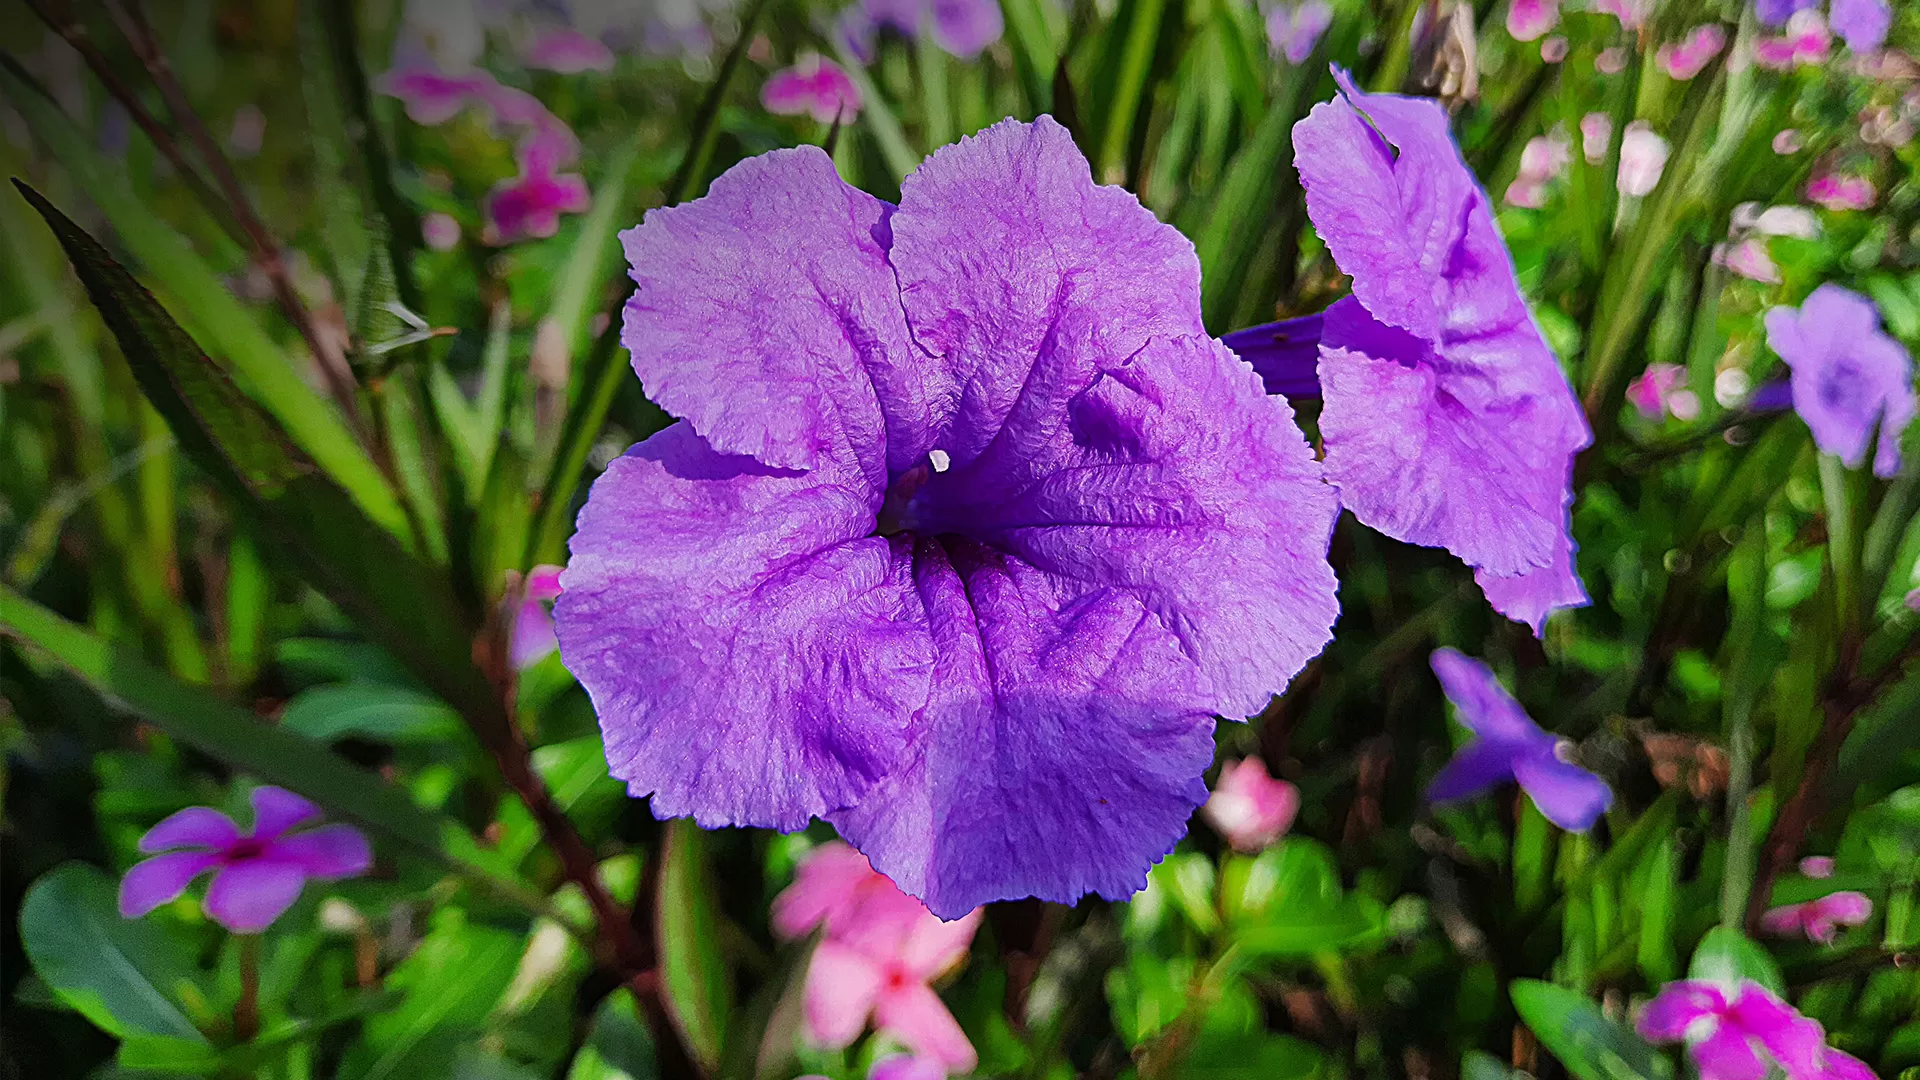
{"points": [[244, 348], [369, 711], [1268, 1056], [1726, 955], [1574, 1030], [619, 1047], [125, 975], [695, 983], [166, 1054], [452, 981], [1298, 932]]}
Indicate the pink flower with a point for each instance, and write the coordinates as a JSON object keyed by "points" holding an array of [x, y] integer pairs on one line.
{"points": [[533, 635], [1611, 61], [440, 231], [1249, 808], [1530, 194], [1805, 42], [567, 51], [1787, 141], [1629, 12], [1528, 19], [1728, 1029], [814, 86], [1749, 259], [1648, 392], [1643, 157], [1545, 157], [429, 96], [907, 1067], [1596, 131], [1837, 192], [1817, 866], [530, 205], [256, 876], [1554, 49], [1293, 31], [1839, 1065], [1690, 56], [1820, 920], [881, 952]]}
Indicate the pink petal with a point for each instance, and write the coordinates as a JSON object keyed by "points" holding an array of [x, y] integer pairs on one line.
{"points": [[568, 51], [841, 987], [935, 945], [1249, 808], [1787, 921], [1677, 1007], [916, 1016], [275, 810], [194, 827], [825, 886], [246, 897], [1843, 1066], [1528, 19], [1727, 1055], [1796, 1042], [158, 880]]}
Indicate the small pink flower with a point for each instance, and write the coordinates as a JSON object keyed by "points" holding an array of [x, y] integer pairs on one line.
{"points": [[1596, 132], [1649, 391], [256, 875], [1249, 808], [1817, 866], [1820, 920], [440, 231], [1805, 42], [533, 637], [1528, 19], [1750, 259], [1545, 157], [812, 86], [1611, 61], [1684, 405], [1787, 141], [567, 51], [1525, 193], [1643, 157], [1629, 12], [1554, 49], [530, 205], [1837, 192], [1728, 1030], [431, 97], [1688, 58], [881, 952]]}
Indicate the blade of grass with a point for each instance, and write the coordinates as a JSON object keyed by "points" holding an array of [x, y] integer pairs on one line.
{"points": [[878, 117], [690, 179]]}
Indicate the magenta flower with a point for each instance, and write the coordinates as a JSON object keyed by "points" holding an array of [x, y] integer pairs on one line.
{"points": [[567, 51], [1820, 920], [1643, 158], [256, 875], [1817, 866], [431, 97], [1447, 420], [881, 951], [530, 205], [1839, 1065], [1294, 29], [1862, 24], [1732, 1032], [1805, 42], [1508, 745], [1248, 807], [968, 533], [813, 86], [1528, 19], [962, 28], [1848, 375], [1650, 390], [1838, 192], [532, 638], [1691, 55]]}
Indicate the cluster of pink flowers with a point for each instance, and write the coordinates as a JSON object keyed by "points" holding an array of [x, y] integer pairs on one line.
{"points": [[1805, 41], [527, 205], [1248, 807], [1542, 160], [1661, 391], [1837, 192], [1691, 55], [880, 953]]}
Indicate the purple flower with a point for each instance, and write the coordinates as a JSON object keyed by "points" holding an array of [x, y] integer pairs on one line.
{"points": [[1848, 375], [530, 205], [968, 531], [812, 86], [1508, 745], [962, 28], [1293, 30], [1776, 12], [1862, 24], [532, 637], [430, 96], [258, 875], [567, 51], [1447, 420], [1728, 1030]]}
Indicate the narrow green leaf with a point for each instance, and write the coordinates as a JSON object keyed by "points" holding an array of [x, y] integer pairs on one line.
{"points": [[369, 711], [1574, 1030], [1133, 62], [695, 983], [1240, 210], [125, 975]]}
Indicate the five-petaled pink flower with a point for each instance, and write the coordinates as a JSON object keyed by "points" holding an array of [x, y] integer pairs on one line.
{"points": [[1249, 808], [1731, 1032], [881, 951], [1820, 920], [813, 86], [257, 874]]}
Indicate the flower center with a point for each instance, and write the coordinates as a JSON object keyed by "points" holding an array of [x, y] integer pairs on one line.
{"points": [[246, 848]]}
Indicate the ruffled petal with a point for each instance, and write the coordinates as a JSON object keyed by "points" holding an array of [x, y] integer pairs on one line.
{"points": [[1677, 1007], [194, 827], [1061, 752], [328, 853], [275, 810], [916, 1016], [158, 880], [753, 653], [246, 897], [766, 314], [1566, 794], [1532, 596], [841, 987]]}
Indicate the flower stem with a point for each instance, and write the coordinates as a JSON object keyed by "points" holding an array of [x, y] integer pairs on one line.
{"points": [[246, 1011]]}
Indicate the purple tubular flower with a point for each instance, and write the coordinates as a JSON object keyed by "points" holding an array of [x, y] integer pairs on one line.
{"points": [[258, 875], [1848, 375], [1508, 745], [1447, 420], [967, 532], [1862, 24]]}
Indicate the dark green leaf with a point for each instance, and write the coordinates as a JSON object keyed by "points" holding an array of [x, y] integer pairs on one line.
{"points": [[695, 983], [1591, 1046], [369, 711], [125, 975], [1726, 955]]}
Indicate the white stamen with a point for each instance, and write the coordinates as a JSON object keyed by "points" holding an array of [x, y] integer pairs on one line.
{"points": [[940, 460]]}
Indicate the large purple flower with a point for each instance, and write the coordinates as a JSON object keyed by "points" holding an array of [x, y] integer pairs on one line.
{"points": [[1508, 745], [1447, 421], [968, 530], [1848, 375], [257, 874]]}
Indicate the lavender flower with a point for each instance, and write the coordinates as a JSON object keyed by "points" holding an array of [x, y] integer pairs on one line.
{"points": [[1727, 1029], [1848, 375], [962, 28], [1294, 29], [1862, 24], [1508, 745], [814, 87], [256, 875], [968, 532], [1776, 12]]}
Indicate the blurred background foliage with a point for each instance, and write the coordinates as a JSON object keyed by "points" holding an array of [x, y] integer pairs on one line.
{"points": [[286, 542]]}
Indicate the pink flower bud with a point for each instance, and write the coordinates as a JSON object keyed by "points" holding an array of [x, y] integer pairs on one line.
{"points": [[1249, 808]]}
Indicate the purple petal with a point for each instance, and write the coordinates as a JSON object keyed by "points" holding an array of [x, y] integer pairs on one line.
{"points": [[1531, 597], [329, 853], [430, 97], [246, 897], [1777, 12], [1677, 1007], [1061, 752], [158, 880], [753, 651], [1862, 24], [1727, 1055], [1847, 375], [766, 315], [1566, 794], [568, 51], [275, 810], [1796, 1042], [1484, 706], [1476, 768], [1285, 353], [965, 27], [194, 827]]}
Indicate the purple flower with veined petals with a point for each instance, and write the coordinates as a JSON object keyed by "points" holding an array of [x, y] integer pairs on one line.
{"points": [[967, 533], [1447, 420], [1508, 745], [1848, 375], [1862, 24], [256, 875], [1728, 1029]]}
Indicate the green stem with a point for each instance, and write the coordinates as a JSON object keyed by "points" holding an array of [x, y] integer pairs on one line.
{"points": [[1842, 542], [246, 1012], [932, 64], [706, 126], [1143, 33]]}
